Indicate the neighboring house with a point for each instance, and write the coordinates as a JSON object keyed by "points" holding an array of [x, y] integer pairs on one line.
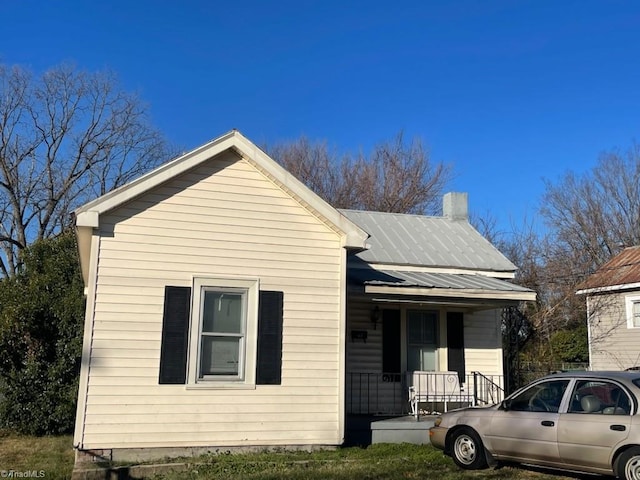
{"points": [[613, 312], [229, 306]]}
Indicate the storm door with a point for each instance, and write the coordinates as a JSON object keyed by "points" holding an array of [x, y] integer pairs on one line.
{"points": [[422, 340]]}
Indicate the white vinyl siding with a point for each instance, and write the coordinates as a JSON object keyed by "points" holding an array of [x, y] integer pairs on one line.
{"points": [[482, 340], [224, 219]]}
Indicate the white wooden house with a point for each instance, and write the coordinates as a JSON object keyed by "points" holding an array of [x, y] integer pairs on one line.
{"points": [[613, 312], [228, 306]]}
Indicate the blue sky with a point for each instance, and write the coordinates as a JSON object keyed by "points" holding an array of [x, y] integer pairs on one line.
{"points": [[507, 92]]}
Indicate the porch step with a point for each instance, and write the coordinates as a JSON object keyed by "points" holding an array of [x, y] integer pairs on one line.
{"points": [[402, 430]]}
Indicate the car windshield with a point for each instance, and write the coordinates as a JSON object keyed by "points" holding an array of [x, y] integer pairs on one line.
{"points": [[636, 382]]}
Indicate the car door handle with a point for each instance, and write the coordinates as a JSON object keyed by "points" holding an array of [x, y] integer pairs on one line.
{"points": [[547, 423], [618, 428]]}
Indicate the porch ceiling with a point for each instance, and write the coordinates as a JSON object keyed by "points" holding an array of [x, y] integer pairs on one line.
{"points": [[429, 284]]}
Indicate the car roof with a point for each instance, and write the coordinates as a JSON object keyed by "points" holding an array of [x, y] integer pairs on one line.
{"points": [[613, 374]]}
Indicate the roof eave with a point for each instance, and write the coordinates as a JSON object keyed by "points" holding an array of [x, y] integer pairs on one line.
{"points": [[476, 294], [609, 288]]}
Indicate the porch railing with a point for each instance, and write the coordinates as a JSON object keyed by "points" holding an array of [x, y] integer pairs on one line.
{"points": [[389, 393], [376, 393], [487, 389]]}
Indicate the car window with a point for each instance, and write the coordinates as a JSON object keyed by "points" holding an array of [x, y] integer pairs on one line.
{"points": [[541, 397], [599, 397]]}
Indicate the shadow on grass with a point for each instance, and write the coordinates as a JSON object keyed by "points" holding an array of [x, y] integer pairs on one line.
{"points": [[555, 472]]}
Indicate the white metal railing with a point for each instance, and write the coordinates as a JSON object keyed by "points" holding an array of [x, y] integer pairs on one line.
{"points": [[435, 388]]}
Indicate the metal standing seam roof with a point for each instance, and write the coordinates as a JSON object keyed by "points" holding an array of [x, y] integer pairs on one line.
{"points": [[403, 239], [396, 278], [623, 269]]}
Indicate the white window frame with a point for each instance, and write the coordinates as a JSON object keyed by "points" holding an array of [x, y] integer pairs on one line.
{"points": [[248, 346], [629, 301]]}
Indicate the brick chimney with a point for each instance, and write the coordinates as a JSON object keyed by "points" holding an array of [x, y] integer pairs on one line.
{"points": [[455, 206]]}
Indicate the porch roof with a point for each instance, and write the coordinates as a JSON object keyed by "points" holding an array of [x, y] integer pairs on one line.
{"points": [[432, 284]]}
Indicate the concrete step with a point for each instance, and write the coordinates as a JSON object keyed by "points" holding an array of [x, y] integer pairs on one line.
{"points": [[402, 430]]}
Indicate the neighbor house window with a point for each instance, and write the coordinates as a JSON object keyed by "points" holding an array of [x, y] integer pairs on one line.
{"points": [[632, 304], [223, 331]]}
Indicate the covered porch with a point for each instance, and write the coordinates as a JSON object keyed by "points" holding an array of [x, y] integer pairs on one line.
{"points": [[420, 343], [423, 317]]}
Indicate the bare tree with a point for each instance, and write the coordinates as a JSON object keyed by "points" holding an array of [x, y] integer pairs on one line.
{"points": [[592, 216], [398, 176], [65, 137], [589, 218], [319, 168]]}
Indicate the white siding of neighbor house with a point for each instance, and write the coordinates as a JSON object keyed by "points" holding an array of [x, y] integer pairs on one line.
{"points": [[224, 219], [612, 344]]}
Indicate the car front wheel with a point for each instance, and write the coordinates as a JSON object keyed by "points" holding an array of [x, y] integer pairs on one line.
{"points": [[627, 465], [467, 450]]}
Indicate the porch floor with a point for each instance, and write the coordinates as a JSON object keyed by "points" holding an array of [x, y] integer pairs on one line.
{"points": [[366, 430]]}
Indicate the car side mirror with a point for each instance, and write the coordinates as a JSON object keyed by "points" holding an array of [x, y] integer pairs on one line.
{"points": [[505, 405]]}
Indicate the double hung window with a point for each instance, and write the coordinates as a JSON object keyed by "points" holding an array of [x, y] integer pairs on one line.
{"points": [[223, 331], [222, 335]]}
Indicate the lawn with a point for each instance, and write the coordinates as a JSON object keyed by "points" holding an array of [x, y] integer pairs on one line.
{"points": [[43, 457], [54, 457], [383, 461]]}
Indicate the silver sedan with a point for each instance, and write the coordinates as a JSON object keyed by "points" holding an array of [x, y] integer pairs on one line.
{"points": [[579, 421]]}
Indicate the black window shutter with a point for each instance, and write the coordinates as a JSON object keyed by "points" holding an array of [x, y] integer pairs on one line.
{"points": [[175, 332], [391, 342], [455, 343], [269, 358]]}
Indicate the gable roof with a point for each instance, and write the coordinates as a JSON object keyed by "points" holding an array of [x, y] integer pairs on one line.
{"points": [[417, 240], [88, 214], [621, 272], [87, 217]]}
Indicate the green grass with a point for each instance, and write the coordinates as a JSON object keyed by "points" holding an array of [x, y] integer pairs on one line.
{"points": [[54, 456], [377, 462]]}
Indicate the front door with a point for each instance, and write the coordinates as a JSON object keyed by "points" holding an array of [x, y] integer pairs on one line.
{"points": [[422, 340]]}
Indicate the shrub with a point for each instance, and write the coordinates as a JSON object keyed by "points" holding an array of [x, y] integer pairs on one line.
{"points": [[41, 324]]}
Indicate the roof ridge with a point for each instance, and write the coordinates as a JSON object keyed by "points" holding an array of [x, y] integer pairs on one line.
{"points": [[355, 210]]}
